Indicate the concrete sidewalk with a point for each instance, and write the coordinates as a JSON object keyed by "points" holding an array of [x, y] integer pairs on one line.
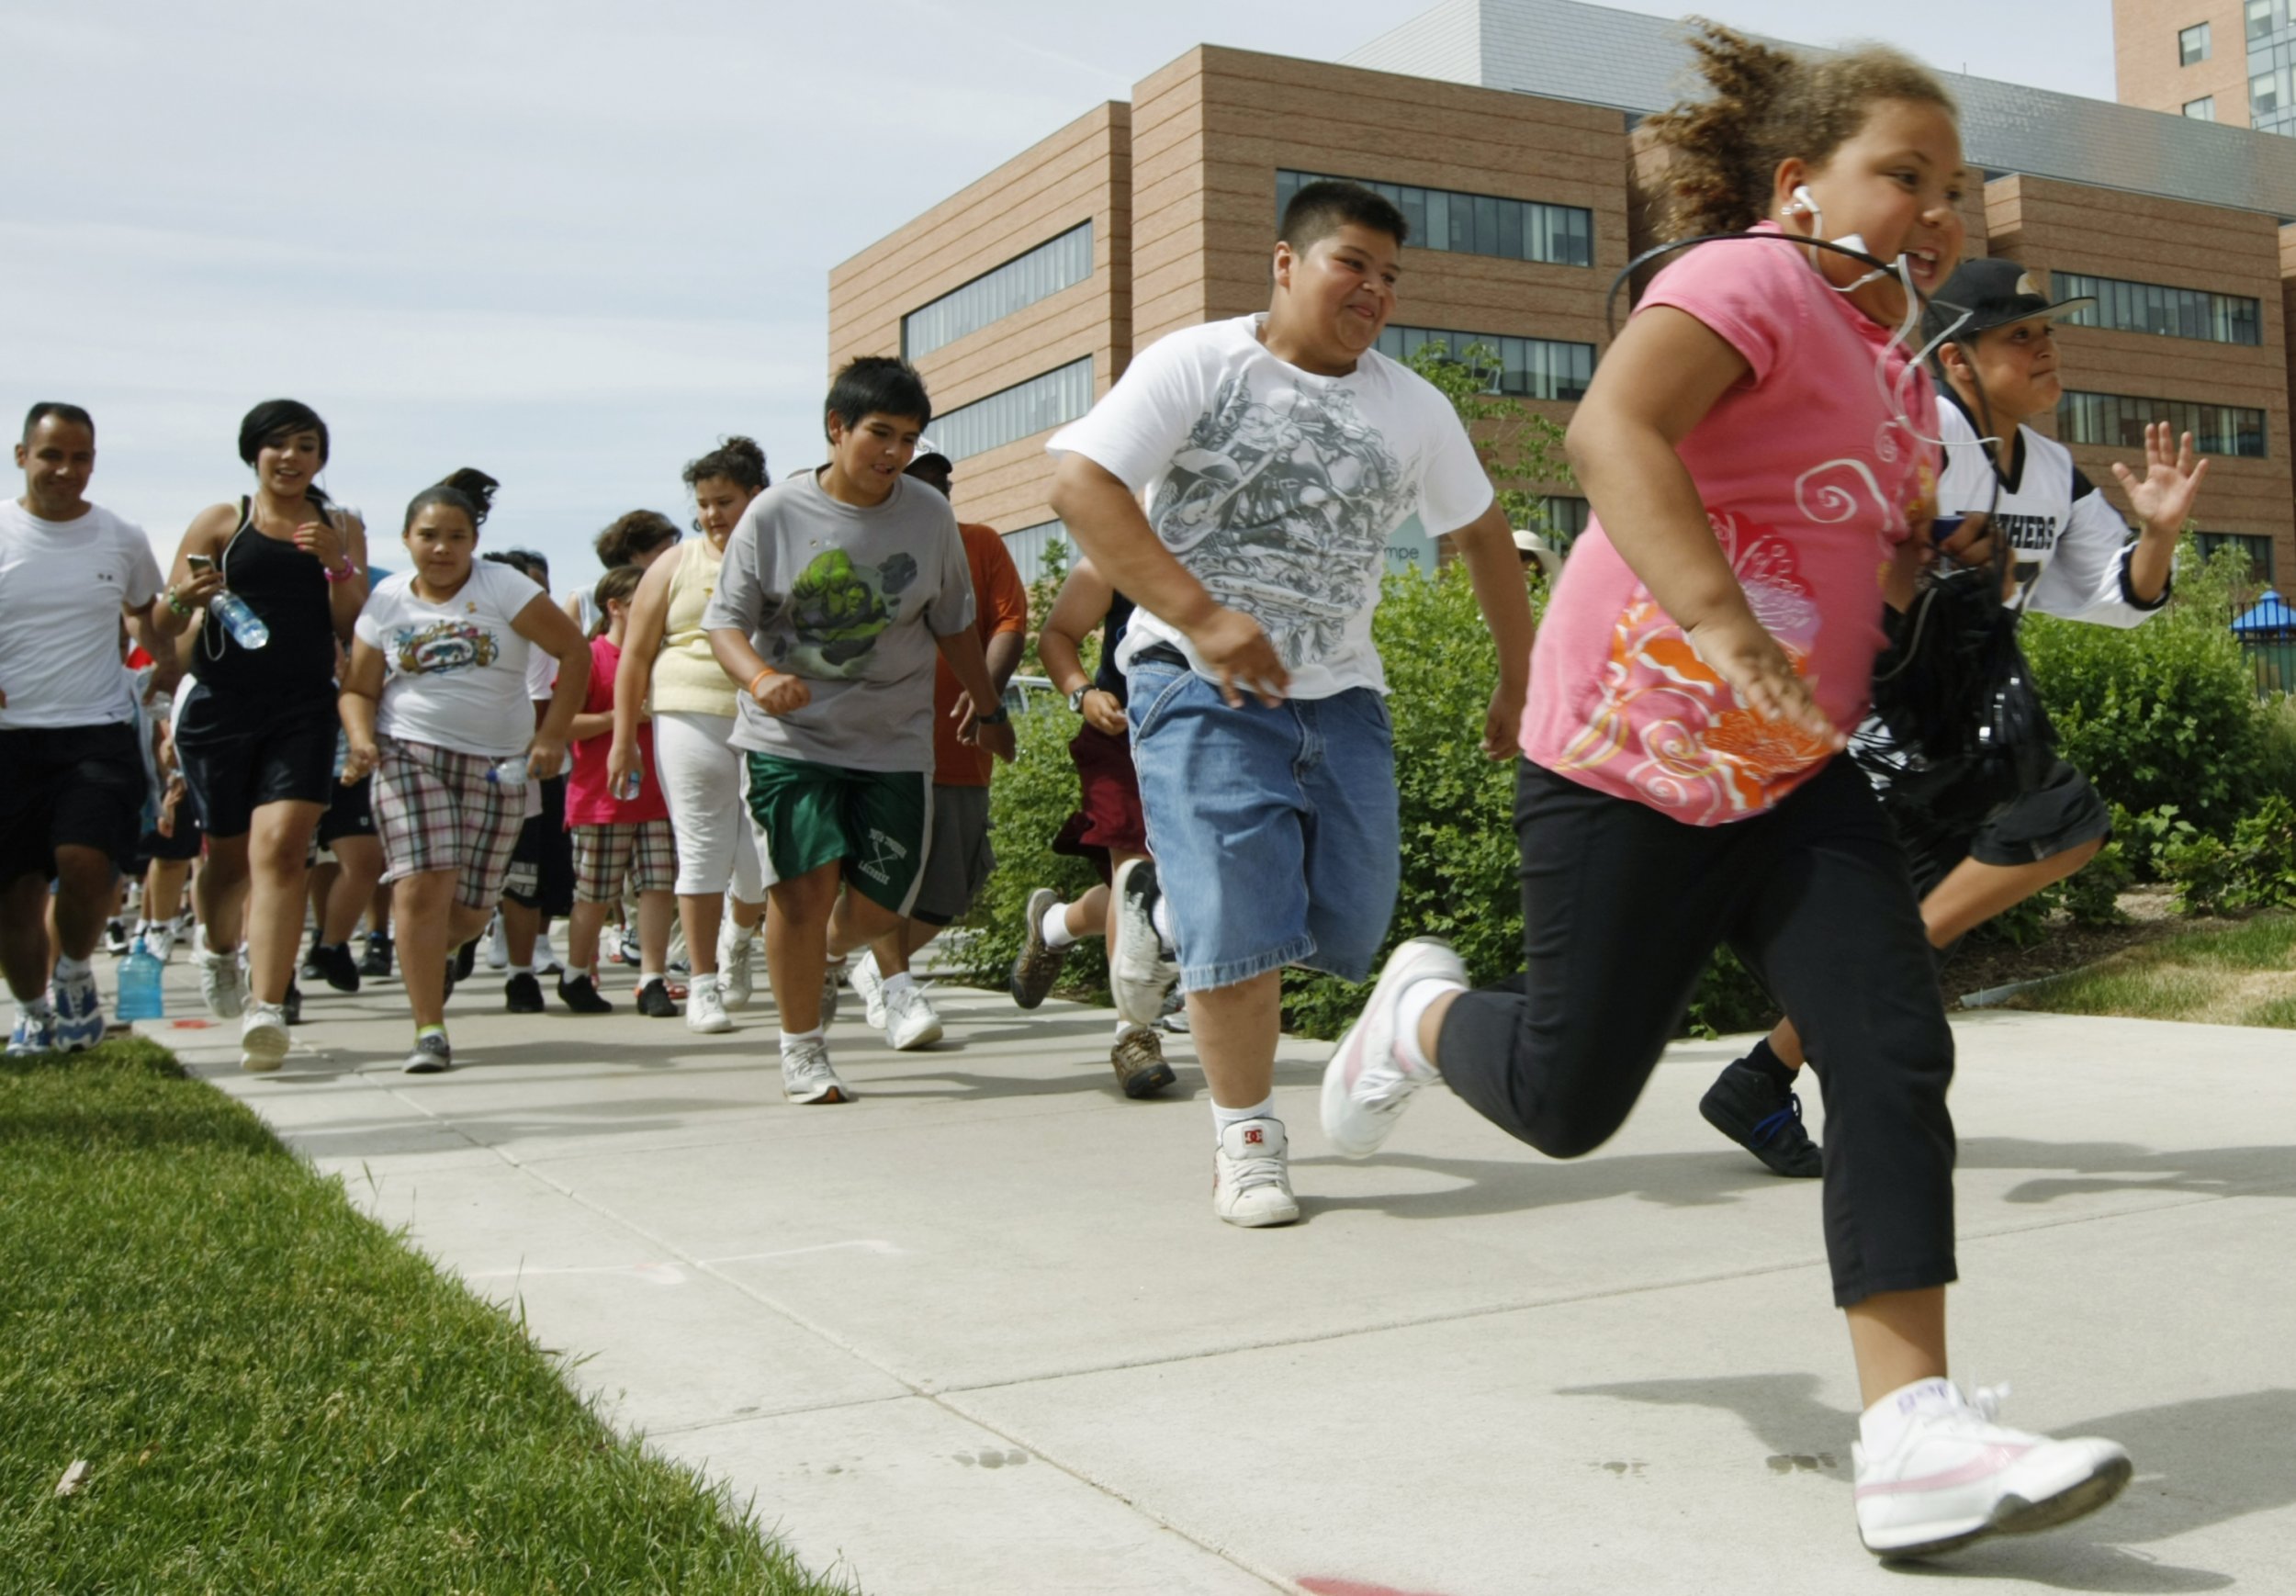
{"points": [[979, 1330]]}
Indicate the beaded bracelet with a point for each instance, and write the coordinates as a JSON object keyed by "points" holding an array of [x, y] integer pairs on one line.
{"points": [[334, 576], [176, 603]]}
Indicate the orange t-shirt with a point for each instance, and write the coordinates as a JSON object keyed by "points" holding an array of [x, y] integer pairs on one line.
{"points": [[1000, 603]]}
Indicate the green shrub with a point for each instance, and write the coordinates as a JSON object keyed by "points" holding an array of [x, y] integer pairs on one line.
{"points": [[2254, 868], [2276, 732]]}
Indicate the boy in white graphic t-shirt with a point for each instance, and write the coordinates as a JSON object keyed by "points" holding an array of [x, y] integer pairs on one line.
{"points": [[1277, 453]]}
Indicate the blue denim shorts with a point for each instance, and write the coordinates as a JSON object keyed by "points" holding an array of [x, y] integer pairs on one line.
{"points": [[1274, 830]]}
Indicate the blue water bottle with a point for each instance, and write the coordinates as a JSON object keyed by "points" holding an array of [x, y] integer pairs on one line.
{"points": [[140, 992], [246, 626]]}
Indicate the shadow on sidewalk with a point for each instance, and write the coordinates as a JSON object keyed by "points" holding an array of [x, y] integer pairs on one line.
{"points": [[2199, 1463], [2109, 1166]]}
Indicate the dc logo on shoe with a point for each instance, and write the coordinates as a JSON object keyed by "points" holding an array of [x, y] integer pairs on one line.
{"points": [[1254, 1137]]}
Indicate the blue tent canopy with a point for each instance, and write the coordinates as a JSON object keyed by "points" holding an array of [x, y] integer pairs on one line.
{"points": [[2272, 616]]}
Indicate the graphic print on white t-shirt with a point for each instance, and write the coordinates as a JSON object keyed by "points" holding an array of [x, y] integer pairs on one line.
{"points": [[454, 671]]}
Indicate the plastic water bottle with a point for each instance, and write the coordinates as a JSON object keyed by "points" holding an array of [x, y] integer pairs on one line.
{"points": [[246, 626], [140, 991], [508, 772], [632, 784]]}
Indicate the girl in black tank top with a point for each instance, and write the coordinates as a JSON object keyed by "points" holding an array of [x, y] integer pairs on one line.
{"points": [[289, 592]]}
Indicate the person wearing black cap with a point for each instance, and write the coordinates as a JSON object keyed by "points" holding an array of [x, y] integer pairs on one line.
{"points": [[2070, 556]]}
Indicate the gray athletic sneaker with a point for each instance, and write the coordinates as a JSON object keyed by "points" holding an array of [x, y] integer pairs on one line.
{"points": [[1140, 974], [431, 1055], [1039, 962], [806, 1075]]}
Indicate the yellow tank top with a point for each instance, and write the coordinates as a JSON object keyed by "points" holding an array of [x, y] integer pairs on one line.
{"points": [[687, 678]]}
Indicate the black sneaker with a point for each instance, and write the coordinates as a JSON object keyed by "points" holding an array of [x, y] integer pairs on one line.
{"points": [[376, 962], [431, 1056], [450, 978], [291, 1005], [654, 1000], [581, 994], [522, 993], [335, 966], [466, 958], [116, 938], [1754, 1112]]}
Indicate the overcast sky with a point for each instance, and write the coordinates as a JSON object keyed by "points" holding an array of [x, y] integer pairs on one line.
{"points": [[574, 242]]}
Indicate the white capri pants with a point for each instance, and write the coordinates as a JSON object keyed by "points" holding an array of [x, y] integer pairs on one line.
{"points": [[705, 780]]}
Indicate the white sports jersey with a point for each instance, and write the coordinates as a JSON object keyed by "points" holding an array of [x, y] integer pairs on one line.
{"points": [[2071, 547]]}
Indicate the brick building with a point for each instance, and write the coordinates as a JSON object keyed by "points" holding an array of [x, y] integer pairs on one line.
{"points": [[1505, 131]]}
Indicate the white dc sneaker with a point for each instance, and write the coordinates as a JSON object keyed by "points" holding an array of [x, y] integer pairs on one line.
{"points": [[1251, 1175], [1138, 974], [736, 978], [219, 987], [1365, 1087], [864, 979], [807, 1078], [910, 1021], [263, 1038], [705, 1007], [1954, 1476]]}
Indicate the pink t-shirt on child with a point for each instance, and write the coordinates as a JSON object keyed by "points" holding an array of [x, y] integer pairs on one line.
{"points": [[1810, 481], [587, 801]]}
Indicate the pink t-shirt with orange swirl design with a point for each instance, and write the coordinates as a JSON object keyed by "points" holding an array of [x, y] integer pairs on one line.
{"points": [[1810, 482]]}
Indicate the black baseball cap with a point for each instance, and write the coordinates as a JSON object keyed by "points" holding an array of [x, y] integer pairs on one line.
{"points": [[1991, 292]]}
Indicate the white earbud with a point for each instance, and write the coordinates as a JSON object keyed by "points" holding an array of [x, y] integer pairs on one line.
{"points": [[1803, 203]]}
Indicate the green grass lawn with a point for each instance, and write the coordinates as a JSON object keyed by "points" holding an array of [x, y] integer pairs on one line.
{"points": [[2243, 975], [273, 1395]]}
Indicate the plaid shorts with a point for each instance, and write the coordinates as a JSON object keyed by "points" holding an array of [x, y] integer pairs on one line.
{"points": [[437, 810], [643, 852]]}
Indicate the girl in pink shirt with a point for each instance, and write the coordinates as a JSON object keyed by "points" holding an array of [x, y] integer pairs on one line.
{"points": [[1755, 481]]}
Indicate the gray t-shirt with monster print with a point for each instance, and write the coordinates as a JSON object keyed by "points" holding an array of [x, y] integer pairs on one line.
{"points": [[1278, 488], [851, 600]]}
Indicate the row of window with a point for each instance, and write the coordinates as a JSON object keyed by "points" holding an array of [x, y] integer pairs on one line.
{"points": [[2118, 421], [1022, 410], [2127, 307], [1525, 367], [2259, 549], [1474, 224], [2265, 18], [1060, 263]]}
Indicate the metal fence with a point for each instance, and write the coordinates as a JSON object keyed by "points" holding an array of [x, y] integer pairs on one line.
{"points": [[2275, 662]]}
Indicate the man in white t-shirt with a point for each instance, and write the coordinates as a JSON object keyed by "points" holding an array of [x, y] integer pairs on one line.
{"points": [[1277, 454], [73, 782]]}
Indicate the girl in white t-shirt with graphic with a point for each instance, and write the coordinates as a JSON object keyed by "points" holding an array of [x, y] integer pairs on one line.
{"points": [[436, 704]]}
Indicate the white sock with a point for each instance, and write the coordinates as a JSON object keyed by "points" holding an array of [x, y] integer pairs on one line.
{"points": [[522, 970], [1224, 1118], [901, 982], [1055, 927], [1410, 1009], [1883, 1425], [33, 1007], [1161, 917], [648, 978], [68, 967], [789, 1038]]}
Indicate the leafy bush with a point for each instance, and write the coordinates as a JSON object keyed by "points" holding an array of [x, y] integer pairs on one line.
{"points": [[2256, 869]]}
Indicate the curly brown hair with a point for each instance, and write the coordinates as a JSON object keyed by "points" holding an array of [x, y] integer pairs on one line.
{"points": [[1721, 154], [629, 536]]}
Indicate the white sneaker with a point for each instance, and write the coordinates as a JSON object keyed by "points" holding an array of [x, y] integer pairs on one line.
{"points": [[1251, 1175], [736, 978], [498, 953], [547, 960], [263, 1038], [910, 1021], [219, 987], [864, 979], [705, 1007], [807, 1078], [159, 940], [1138, 974], [1954, 1477], [1365, 1087]]}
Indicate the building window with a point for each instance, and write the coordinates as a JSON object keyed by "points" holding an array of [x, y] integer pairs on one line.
{"points": [[2118, 421], [2258, 549], [994, 295], [2262, 18], [2193, 45], [1028, 544], [1473, 224], [2172, 312], [1019, 411], [2202, 109], [2263, 95], [1524, 368], [1566, 519]]}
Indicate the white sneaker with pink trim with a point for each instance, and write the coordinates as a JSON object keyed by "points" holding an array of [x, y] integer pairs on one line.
{"points": [[1952, 1475]]}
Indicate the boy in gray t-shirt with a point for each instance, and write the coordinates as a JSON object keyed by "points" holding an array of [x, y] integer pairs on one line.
{"points": [[838, 589]]}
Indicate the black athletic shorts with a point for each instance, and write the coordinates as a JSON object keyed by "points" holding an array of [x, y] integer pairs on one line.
{"points": [[542, 866], [2059, 816], [184, 845], [237, 757], [68, 787], [350, 812]]}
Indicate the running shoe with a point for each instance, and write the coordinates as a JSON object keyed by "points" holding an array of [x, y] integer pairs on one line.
{"points": [[498, 943], [1138, 1057], [705, 1009], [1251, 1179], [466, 958], [522, 993], [735, 946], [626, 951], [336, 967], [263, 1038], [1749, 1107], [159, 938], [376, 962], [1953, 1476], [219, 987], [806, 1075], [312, 969], [547, 960], [654, 1000], [116, 939], [1365, 1087], [580, 993], [79, 1012], [910, 1020], [1140, 970], [1039, 965], [429, 1056], [35, 1031], [870, 987]]}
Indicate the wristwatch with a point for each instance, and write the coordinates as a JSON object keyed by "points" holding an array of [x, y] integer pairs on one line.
{"points": [[996, 717], [1076, 699]]}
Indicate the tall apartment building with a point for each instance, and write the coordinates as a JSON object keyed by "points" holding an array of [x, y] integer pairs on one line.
{"points": [[1504, 128], [2214, 61]]}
